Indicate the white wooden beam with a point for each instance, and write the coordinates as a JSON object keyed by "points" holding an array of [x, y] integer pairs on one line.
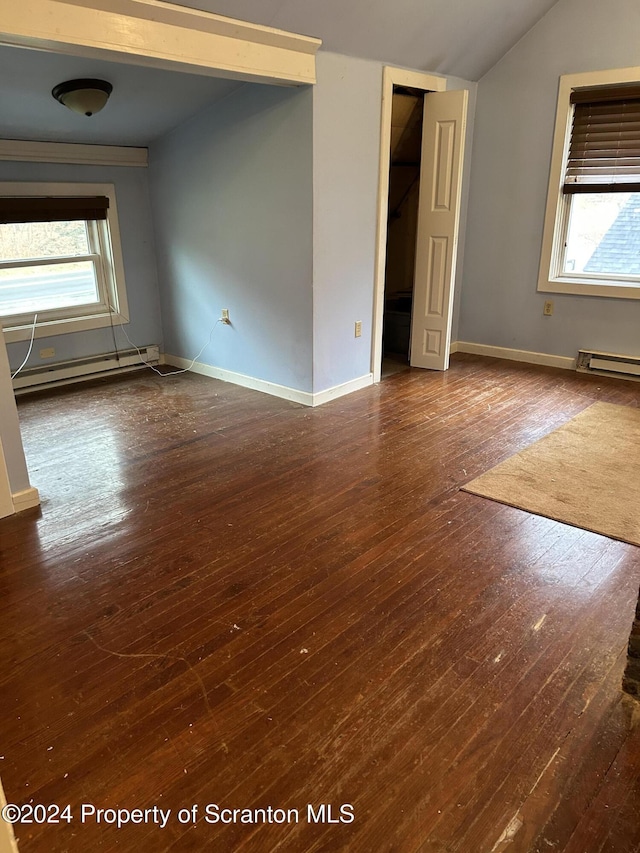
{"points": [[160, 35]]}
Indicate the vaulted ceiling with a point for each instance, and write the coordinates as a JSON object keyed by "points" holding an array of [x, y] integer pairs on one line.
{"points": [[464, 38], [458, 37]]}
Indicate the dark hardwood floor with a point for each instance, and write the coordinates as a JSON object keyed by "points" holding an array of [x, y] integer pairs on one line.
{"points": [[231, 599]]}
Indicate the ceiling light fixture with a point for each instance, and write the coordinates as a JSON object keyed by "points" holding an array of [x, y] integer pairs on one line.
{"points": [[83, 96]]}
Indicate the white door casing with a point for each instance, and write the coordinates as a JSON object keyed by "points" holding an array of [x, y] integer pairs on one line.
{"points": [[441, 165], [390, 77]]}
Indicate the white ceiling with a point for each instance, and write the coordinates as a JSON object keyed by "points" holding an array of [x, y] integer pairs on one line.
{"points": [[145, 104], [459, 37], [464, 38]]}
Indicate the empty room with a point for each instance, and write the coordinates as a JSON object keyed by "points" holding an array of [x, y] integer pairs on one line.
{"points": [[319, 426]]}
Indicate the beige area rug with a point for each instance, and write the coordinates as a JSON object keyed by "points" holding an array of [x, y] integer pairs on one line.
{"points": [[586, 473]]}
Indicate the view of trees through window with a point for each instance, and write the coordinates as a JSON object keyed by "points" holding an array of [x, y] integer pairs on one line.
{"points": [[43, 240], [36, 287]]}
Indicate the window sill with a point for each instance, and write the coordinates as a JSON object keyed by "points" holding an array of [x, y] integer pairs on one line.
{"points": [[49, 328], [617, 290]]}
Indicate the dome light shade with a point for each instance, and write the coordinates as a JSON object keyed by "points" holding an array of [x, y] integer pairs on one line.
{"points": [[86, 97]]}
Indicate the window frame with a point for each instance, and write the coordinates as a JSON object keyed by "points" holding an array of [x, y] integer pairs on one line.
{"points": [[551, 278], [109, 267]]}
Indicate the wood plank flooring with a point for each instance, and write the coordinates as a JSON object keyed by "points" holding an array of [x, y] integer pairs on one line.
{"points": [[231, 599]]}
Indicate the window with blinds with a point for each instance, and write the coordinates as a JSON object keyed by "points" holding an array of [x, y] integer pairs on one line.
{"points": [[591, 238], [18, 209], [57, 259], [604, 149]]}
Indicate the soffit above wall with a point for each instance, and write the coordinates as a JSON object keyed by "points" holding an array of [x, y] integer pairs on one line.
{"points": [[161, 35], [165, 62]]}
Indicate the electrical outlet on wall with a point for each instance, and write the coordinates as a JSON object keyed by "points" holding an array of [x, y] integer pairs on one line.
{"points": [[224, 316], [548, 308], [47, 352], [358, 329]]}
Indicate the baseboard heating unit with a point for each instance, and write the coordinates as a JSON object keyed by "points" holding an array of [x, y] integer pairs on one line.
{"points": [[34, 378], [609, 364]]}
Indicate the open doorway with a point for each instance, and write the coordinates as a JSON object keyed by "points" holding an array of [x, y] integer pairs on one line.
{"points": [[402, 224], [182, 54], [416, 258]]}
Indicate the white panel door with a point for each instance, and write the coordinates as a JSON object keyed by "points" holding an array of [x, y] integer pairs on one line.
{"points": [[443, 135], [6, 501]]}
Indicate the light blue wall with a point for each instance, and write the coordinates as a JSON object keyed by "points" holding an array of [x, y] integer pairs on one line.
{"points": [[266, 204], [232, 200], [346, 157], [134, 217], [346, 141], [510, 172]]}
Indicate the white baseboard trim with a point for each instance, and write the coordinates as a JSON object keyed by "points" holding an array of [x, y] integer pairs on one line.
{"points": [[340, 390], [286, 393], [543, 358], [26, 499], [305, 398]]}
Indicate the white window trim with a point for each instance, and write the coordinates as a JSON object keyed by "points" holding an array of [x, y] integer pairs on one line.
{"points": [[554, 219], [113, 255], [29, 151]]}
